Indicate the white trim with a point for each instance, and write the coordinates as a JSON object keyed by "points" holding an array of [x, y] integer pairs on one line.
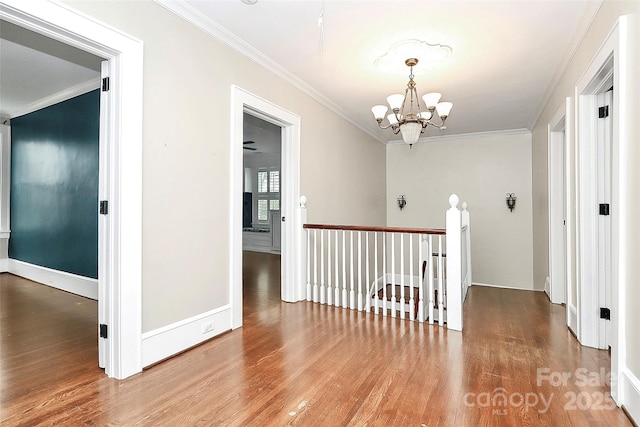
{"points": [[72, 92], [4, 265], [79, 285], [195, 17], [5, 181], [291, 250], [169, 340], [629, 385], [491, 285], [610, 58], [547, 287], [572, 318], [465, 136], [559, 279], [123, 274]]}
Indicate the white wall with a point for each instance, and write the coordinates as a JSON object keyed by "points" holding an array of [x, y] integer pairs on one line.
{"points": [[186, 172], [481, 169]]}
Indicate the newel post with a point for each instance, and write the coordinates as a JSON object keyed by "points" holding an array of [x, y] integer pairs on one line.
{"points": [[304, 247], [454, 265]]}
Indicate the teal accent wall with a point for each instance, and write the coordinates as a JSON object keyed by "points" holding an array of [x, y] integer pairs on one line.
{"points": [[54, 186]]}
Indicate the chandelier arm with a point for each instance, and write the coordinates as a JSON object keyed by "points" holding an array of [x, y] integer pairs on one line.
{"points": [[429, 122], [385, 127]]}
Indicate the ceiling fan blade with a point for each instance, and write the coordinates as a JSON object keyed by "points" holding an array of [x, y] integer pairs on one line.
{"points": [[249, 142], [250, 148]]}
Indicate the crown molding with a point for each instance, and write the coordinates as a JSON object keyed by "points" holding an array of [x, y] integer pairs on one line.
{"points": [[200, 20], [463, 136], [577, 38]]}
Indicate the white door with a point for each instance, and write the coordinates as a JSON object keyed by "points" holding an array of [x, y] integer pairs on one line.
{"points": [[103, 223], [603, 147]]}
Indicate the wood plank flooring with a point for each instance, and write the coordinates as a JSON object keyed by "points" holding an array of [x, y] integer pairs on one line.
{"points": [[304, 364]]}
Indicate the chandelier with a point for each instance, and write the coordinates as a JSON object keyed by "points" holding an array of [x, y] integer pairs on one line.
{"points": [[407, 118]]}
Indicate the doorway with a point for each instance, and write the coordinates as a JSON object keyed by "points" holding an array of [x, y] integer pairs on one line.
{"points": [[291, 229], [261, 214], [558, 288], [121, 248]]}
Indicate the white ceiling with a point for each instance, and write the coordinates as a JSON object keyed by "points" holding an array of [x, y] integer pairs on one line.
{"points": [[34, 67], [507, 55], [261, 136]]}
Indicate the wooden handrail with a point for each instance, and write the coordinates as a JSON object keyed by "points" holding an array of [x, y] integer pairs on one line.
{"points": [[436, 231]]}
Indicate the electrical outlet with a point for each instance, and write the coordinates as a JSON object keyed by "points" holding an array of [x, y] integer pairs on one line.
{"points": [[208, 327]]}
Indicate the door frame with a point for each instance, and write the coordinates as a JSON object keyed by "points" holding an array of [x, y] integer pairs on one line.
{"points": [[610, 60], [120, 251], [292, 289], [558, 134]]}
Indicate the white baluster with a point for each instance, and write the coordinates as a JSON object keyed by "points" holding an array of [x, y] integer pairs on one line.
{"points": [[344, 270], [429, 272], [322, 283], [367, 276], [422, 279], [336, 288], [384, 274], [402, 300], [358, 235], [393, 275], [376, 300], [440, 283], [329, 290], [412, 312], [308, 265], [352, 293], [315, 266]]}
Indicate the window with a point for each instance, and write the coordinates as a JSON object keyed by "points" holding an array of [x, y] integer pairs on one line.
{"points": [[274, 181], [263, 214], [263, 182], [268, 193]]}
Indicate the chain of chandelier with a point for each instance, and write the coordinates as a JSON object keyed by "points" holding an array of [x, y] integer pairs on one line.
{"points": [[407, 117]]}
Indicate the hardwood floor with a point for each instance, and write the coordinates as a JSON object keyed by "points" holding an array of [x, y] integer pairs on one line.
{"points": [[305, 364]]}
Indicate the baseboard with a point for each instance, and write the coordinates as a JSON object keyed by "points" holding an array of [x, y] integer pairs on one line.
{"points": [[573, 319], [4, 265], [490, 285], [79, 285], [630, 394], [547, 287], [169, 340]]}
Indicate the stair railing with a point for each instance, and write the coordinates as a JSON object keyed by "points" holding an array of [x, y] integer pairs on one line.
{"points": [[418, 274]]}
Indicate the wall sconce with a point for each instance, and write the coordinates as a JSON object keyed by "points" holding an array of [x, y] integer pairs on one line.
{"points": [[402, 202], [511, 201]]}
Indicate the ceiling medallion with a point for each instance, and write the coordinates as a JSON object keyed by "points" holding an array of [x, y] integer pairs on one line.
{"points": [[407, 117], [429, 56]]}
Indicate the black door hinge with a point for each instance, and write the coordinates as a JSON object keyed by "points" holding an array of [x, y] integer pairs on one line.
{"points": [[104, 207], [603, 112], [605, 313], [103, 330], [105, 84], [604, 208]]}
